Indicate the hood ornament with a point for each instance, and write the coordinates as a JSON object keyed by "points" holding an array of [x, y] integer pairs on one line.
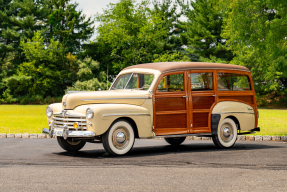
{"points": [[64, 112]]}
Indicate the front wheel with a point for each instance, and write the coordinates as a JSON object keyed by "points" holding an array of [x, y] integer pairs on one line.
{"points": [[70, 144], [119, 139], [226, 134]]}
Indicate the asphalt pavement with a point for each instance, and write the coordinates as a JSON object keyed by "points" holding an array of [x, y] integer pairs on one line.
{"points": [[152, 165]]}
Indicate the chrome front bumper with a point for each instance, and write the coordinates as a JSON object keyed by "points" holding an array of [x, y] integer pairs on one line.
{"points": [[65, 133]]}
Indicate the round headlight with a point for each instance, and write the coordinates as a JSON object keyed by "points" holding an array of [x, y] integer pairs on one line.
{"points": [[90, 113], [49, 111]]}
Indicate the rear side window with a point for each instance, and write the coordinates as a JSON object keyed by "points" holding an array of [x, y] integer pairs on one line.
{"points": [[233, 82], [171, 83], [201, 81]]}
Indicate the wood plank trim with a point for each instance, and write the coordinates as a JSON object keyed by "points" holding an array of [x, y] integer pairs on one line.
{"points": [[170, 112], [201, 110]]}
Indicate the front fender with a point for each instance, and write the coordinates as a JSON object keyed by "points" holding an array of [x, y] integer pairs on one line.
{"points": [[106, 114]]}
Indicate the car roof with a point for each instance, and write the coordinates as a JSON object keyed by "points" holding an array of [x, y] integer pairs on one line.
{"points": [[179, 66]]}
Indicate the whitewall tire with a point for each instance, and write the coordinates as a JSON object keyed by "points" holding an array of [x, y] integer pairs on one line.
{"points": [[226, 134], [119, 139]]}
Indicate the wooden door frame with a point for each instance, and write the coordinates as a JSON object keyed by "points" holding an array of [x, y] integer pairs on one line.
{"points": [[172, 94], [202, 93]]}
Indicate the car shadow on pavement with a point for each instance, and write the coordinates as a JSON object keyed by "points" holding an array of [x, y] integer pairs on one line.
{"points": [[157, 150]]}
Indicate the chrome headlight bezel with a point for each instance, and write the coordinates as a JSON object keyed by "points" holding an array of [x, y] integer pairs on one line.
{"points": [[89, 113], [49, 111]]}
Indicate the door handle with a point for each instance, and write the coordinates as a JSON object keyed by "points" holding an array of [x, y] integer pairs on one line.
{"points": [[214, 95], [186, 96]]}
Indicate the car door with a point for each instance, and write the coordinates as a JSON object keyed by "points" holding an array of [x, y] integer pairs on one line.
{"points": [[171, 104], [202, 97]]}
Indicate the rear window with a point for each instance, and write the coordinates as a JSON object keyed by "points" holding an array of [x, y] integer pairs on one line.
{"points": [[233, 82]]}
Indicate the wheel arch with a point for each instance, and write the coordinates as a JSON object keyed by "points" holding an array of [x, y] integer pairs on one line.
{"points": [[129, 120], [241, 113], [235, 121]]}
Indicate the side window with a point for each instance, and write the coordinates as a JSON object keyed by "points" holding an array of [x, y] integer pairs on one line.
{"points": [[201, 81], [171, 83], [233, 82]]}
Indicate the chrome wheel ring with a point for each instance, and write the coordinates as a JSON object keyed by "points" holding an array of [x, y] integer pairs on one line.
{"points": [[226, 132], [121, 137]]}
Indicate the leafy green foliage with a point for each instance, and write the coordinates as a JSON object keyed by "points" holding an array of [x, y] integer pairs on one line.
{"points": [[173, 56], [18, 20], [49, 67], [128, 34], [256, 33], [203, 30], [69, 26], [88, 69]]}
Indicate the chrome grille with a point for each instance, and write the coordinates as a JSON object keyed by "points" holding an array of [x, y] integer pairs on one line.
{"points": [[59, 121]]}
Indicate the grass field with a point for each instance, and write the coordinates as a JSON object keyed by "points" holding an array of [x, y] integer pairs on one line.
{"points": [[272, 122], [32, 119], [22, 118]]}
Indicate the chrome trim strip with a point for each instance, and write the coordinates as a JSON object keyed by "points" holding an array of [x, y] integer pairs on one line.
{"points": [[232, 112], [69, 115], [63, 123], [115, 98], [69, 127], [66, 119], [125, 115]]}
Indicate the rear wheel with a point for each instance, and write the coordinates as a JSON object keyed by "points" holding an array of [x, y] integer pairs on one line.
{"points": [[175, 140], [70, 144], [226, 134], [119, 139]]}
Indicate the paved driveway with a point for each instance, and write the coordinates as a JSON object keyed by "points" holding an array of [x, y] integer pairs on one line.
{"points": [[152, 165]]}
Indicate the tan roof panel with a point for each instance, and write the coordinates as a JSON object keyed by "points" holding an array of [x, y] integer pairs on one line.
{"points": [[177, 66]]}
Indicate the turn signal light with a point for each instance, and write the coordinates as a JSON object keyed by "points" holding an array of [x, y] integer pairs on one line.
{"points": [[76, 125]]}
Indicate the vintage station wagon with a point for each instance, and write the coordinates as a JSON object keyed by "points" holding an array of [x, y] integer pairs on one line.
{"points": [[171, 100]]}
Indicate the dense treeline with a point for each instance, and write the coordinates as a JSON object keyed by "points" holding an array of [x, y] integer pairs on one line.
{"points": [[46, 46]]}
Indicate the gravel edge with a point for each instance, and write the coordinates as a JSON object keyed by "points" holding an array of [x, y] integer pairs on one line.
{"points": [[239, 137]]}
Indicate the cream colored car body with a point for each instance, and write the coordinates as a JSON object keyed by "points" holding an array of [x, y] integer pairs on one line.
{"points": [[242, 112]]}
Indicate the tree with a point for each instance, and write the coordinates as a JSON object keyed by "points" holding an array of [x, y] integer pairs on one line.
{"points": [[203, 30], [87, 80], [68, 26], [256, 31], [128, 34], [167, 9], [19, 19], [49, 66]]}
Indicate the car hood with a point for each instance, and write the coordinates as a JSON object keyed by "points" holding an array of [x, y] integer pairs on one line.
{"points": [[133, 97]]}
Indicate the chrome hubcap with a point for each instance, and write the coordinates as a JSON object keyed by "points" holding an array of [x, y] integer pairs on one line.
{"points": [[226, 132], [121, 137]]}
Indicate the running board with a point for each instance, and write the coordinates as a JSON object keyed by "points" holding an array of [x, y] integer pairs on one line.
{"points": [[184, 135]]}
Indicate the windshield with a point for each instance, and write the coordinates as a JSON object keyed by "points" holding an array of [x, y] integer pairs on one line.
{"points": [[133, 81]]}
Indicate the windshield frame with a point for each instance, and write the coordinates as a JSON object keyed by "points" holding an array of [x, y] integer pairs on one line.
{"points": [[131, 75]]}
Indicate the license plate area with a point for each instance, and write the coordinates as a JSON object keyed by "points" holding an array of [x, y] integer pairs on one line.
{"points": [[58, 131]]}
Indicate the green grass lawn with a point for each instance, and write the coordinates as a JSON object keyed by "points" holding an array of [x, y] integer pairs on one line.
{"points": [[272, 122], [22, 118], [32, 119]]}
